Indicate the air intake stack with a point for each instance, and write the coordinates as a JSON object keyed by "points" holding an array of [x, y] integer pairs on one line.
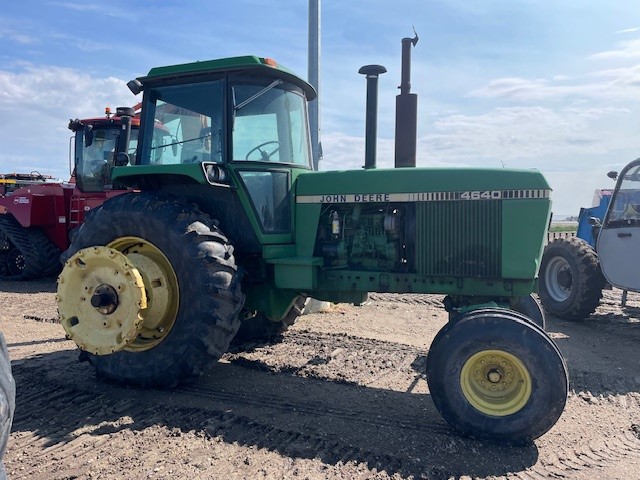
{"points": [[371, 129], [406, 111]]}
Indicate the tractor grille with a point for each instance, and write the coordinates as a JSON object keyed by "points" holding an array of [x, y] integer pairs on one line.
{"points": [[459, 238]]}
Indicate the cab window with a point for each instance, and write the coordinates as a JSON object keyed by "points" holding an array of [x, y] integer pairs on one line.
{"points": [[188, 125]]}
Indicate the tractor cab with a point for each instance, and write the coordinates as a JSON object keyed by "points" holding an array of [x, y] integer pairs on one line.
{"points": [[93, 146], [235, 138]]}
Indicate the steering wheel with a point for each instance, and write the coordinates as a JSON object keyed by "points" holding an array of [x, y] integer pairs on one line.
{"points": [[264, 154]]}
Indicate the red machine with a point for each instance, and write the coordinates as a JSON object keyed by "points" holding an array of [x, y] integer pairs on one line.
{"points": [[38, 213], [10, 181]]}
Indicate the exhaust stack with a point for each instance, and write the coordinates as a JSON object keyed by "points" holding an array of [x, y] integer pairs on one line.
{"points": [[406, 111], [372, 72]]}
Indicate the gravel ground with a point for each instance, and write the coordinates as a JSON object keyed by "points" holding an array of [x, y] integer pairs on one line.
{"points": [[342, 396]]}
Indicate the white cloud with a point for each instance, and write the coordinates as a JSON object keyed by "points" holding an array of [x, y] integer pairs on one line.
{"points": [[629, 30], [616, 84], [518, 137], [37, 103], [626, 49], [50, 88], [18, 37], [527, 136], [94, 8], [611, 84]]}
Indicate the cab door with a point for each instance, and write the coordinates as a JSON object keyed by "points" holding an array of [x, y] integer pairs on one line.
{"points": [[270, 145], [618, 244]]}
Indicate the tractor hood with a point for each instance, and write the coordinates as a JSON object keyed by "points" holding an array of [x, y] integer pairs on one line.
{"points": [[463, 183]]}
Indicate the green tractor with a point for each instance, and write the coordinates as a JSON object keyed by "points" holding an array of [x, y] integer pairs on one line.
{"points": [[229, 229]]}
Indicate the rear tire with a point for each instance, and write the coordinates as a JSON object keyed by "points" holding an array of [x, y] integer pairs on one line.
{"points": [[570, 280], [203, 312], [495, 348]]}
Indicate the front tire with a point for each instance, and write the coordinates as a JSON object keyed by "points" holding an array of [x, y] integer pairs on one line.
{"points": [[191, 282], [570, 280], [493, 375]]}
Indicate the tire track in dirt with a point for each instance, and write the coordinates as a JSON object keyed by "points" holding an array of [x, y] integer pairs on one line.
{"points": [[73, 439], [340, 358], [566, 460], [370, 417], [408, 298], [323, 342], [405, 358], [73, 422]]}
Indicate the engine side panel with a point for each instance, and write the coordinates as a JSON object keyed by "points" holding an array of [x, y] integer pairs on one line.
{"points": [[483, 234]]}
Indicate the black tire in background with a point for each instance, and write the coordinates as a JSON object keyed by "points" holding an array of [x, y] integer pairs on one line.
{"points": [[7, 400], [570, 280], [30, 255], [534, 376], [259, 329], [208, 281], [531, 308]]}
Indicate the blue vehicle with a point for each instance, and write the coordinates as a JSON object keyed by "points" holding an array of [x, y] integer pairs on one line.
{"points": [[575, 270], [585, 231]]}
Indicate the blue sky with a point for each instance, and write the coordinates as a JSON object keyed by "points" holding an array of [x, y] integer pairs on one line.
{"points": [[552, 85]]}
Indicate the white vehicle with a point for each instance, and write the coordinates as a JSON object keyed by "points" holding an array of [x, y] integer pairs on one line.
{"points": [[573, 274]]}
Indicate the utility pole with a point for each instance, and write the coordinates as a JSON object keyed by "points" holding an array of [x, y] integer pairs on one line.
{"points": [[314, 79]]}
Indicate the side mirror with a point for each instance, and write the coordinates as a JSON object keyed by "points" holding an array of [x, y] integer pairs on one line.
{"points": [[594, 222], [612, 175], [122, 159], [88, 135]]}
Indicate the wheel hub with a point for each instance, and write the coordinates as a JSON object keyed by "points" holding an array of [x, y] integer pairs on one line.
{"points": [[105, 299], [558, 279], [100, 298], [564, 278], [494, 376], [16, 262], [496, 382]]}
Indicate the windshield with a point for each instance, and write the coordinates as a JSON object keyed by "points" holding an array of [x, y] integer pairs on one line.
{"points": [[270, 124], [93, 162]]}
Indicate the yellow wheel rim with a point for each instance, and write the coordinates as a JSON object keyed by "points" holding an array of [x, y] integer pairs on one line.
{"points": [[496, 382], [161, 288]]}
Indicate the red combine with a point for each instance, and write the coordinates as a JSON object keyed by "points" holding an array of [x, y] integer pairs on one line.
{"points": [[38, 213]]}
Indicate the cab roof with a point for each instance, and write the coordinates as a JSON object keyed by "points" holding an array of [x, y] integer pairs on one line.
{"points": [[247, 63]]}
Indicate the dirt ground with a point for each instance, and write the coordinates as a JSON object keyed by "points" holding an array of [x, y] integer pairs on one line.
{"points": [[343, 396]]}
